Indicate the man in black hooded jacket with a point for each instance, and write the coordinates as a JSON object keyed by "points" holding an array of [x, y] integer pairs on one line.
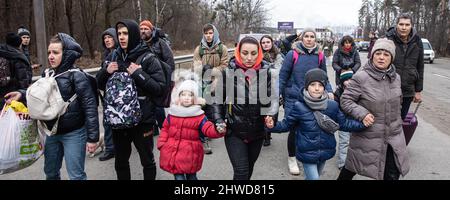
{"points": [[408, 60], [18, 76], [150, 82]]}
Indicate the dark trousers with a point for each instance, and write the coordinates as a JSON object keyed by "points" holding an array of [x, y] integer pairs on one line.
{"points": [[291, 143], [144, 145], [109, 144], [243, 156], [405, 106], [391, 172]]}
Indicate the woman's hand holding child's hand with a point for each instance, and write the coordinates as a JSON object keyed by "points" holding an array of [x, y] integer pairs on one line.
{"points": [[221, 128], [269, 122]]}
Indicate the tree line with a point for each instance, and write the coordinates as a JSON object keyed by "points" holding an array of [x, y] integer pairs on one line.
{"points": [[182, 20], [431, 18]]}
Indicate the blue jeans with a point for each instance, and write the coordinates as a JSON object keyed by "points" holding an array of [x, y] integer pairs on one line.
{"points": [[109, 144], [71, 146], [313, 171], [186, 177], [344, 140]]}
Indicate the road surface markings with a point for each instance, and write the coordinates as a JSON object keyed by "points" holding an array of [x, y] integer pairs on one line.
{"points": [[442, 76]]}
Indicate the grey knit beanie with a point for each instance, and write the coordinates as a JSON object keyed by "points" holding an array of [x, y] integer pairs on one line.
{"points": [[308, 30], [384, 44]]}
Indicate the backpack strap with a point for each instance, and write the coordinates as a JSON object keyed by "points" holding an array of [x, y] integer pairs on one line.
{"points": [[204, 120], [321, 58], [220, 50], [143, 57], [295, 57], [201, 51]]}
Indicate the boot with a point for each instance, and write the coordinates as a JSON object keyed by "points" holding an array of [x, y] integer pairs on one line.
{"points": [[206, 147], [293, 166], [267, 139]]}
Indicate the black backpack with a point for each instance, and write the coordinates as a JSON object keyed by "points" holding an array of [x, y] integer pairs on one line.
{"points": [[165, 98], [93, 83], [5, 72]]}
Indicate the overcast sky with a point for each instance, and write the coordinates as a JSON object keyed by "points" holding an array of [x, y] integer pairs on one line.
{"points": [[314, 13]]}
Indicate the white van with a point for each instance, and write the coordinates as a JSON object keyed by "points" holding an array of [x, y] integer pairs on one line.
{"points": [[428, 52]]}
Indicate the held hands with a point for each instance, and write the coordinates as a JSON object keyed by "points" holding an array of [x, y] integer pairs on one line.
{"points": [[269, 122], [133, 68], [90, 147], [369, 120], [221, 128]]}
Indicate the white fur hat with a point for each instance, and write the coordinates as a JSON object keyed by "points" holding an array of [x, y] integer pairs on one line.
{"points": [[189, 85], [192, 86]]}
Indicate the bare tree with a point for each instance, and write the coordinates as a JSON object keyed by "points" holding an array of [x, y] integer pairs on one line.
{"points": [[88, 11], [110, 7]]}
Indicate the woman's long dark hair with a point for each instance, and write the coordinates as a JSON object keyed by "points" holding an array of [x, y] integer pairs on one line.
{"points": [[271, 55]]}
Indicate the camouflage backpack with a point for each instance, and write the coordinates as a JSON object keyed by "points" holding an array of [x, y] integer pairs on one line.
{"points": [[122, 109]]}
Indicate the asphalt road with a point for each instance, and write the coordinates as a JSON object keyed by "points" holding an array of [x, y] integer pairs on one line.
{"points": [[428, 150]]}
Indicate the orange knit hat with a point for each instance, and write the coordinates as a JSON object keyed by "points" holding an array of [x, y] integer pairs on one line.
{"points": [[147, 23]]}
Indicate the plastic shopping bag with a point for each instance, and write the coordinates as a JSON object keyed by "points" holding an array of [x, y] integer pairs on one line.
{"points": [[21, 144]]}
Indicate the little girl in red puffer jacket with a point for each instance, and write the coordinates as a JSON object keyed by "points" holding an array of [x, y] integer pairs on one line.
{"points": [[181, 150]]}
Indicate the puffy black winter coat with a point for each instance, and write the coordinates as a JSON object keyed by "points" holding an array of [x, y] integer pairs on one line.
{"points": [[162, 49], [83, 111], [19, 67], [150, 79], [245, 120]]}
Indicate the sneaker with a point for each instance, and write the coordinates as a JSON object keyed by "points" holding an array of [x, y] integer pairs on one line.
{"points": [[106, 156], [293, 166], [206, 148]]}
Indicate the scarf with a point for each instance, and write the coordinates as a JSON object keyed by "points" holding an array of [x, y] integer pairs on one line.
{"points": [[309, 50], [348, 50], [315, 104], [181, 111]]}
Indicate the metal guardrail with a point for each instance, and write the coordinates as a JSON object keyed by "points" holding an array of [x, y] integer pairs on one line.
{"points": [[178, 61]]}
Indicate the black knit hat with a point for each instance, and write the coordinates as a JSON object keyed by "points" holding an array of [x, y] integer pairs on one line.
{"points": [[13, 39], [316, 75]]}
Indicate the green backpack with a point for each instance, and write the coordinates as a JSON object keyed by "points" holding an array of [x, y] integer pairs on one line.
{"points": [[220, 51]]}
